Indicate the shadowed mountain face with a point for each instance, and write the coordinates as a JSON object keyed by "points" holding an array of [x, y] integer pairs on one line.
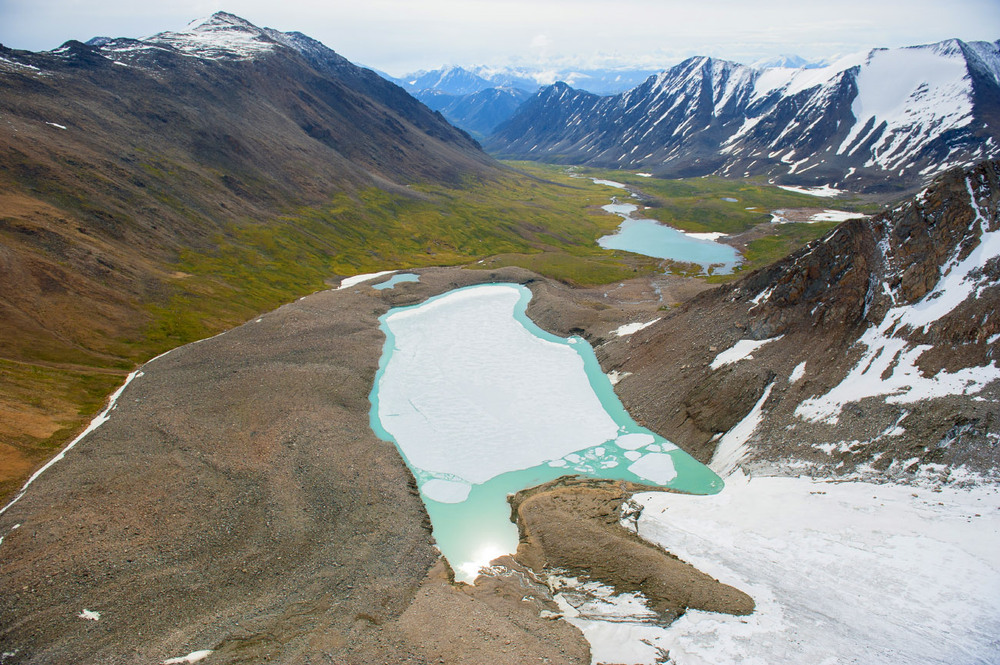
{"points": [[119, 158], [890, 119]]}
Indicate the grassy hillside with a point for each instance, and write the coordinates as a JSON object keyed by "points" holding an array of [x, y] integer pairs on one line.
{"points": [[58, 364], [57, 368]]}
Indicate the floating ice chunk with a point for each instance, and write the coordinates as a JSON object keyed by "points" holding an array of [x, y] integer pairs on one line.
{"points": [[634, 441], [657, 467], [632, 455], [446, 491], [712, 235]]}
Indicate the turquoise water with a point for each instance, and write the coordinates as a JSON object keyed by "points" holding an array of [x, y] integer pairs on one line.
{"points": [[651, 238], [477, 529], [398, 278]]}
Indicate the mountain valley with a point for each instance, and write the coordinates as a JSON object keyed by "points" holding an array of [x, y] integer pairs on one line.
{"points": [[197, 233]]}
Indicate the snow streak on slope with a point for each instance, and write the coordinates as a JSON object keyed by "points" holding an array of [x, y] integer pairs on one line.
{"points": [[889, 364]]}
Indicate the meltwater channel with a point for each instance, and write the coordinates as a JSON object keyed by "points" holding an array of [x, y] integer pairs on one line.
{"points": [[481, 403]]}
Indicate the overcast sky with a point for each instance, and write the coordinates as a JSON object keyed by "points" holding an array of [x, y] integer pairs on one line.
{"points": [[401, 36]]}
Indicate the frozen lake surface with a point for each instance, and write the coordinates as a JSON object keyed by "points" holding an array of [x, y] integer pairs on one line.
{"points": [[482, 403], [651, 238]]}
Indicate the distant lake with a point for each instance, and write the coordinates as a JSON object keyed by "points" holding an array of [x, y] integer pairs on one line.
{"points": [[482, 403], [651, 238]]}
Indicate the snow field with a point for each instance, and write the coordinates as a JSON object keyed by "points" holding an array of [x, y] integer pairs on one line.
{"points": [[841, 572]]}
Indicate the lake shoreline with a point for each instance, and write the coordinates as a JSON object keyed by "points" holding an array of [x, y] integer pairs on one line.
{"points": [[283, 529]]}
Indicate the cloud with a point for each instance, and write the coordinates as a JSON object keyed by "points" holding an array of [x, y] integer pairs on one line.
{"points": [[402, 35]]}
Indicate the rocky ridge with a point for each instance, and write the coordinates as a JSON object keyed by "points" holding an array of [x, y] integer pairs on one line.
{"points": [[871, 351], [887, 119]]}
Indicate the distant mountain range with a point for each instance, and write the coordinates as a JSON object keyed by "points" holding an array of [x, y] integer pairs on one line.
{"points": [[885, 119], [463, 81], [479, 99]]}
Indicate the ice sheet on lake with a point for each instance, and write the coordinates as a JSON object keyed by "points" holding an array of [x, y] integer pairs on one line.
{"points": [[456, 403]]}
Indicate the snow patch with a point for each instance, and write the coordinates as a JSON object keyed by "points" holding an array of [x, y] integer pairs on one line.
{"points": [[797, 373], [614, 376], [89, 615], [824, 191], [631, 328], [733, 446], [348, 282], [742, 350], [192, 657], [888, 366]]}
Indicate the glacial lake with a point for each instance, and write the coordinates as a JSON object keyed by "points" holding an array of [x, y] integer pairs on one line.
{"points": [[481, 403], [651, 238]]}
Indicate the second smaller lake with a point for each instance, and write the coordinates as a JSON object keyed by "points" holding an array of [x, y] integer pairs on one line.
{"points": [[651, 238]]}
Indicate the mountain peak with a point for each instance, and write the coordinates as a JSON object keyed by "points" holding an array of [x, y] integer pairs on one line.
{"points": [[222, 35], [221, 20]]}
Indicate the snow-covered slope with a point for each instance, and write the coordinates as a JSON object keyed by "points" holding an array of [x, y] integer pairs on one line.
{"points": [[881, 354], [890, 115], [848, 394]]}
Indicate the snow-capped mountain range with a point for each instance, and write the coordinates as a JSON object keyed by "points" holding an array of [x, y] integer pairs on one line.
{"points": [[454, 80], [888, 116]]}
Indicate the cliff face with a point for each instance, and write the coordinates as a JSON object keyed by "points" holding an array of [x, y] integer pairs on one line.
{"points": [[870, 350]]}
